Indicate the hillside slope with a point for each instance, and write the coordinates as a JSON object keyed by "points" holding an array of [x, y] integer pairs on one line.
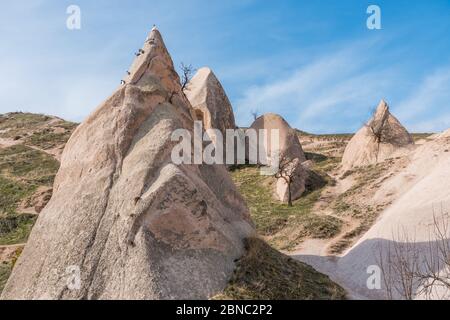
{"points": [[418, 188], [30, 147]]}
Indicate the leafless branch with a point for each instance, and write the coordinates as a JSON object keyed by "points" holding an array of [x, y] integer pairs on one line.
{"points": [[187, 71], [411, 269]]}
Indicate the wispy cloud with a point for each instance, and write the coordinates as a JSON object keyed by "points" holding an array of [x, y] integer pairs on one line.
{"points": [[313, 73], [427, 108], [342, 85]]}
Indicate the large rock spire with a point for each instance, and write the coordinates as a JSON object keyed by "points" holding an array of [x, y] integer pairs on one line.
{"points": [[123, 217]]}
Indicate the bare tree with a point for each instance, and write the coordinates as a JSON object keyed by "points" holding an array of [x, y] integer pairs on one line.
{"points": [[186, 75], [399, 262], [436, 270], [187, 71], [411, 269], [379, 128], [286, 171], [255, 114]]}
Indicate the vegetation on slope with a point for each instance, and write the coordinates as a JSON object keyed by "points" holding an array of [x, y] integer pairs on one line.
{"points": [[25, 167], [263, 273], [29, 166], [36, 130], [22, 171], [284, 227], [7, 266], [5, 271], [15, 229], [352, 203]]}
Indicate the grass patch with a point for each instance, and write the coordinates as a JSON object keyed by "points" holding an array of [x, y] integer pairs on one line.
{"points": [[12, 193], [47, 139], [283, 226], [322, 227], [327, 165], [27, 165], [268, 214], [5, 271], [316, 157], [15, 229], [6, 268], [419, 136], [17, 125], [263, 273]]}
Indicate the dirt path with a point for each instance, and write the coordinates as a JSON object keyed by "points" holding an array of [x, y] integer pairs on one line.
{"points": [[323, 207]]}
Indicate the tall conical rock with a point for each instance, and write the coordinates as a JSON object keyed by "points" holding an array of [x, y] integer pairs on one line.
{"points": [[381, 138], [123, 217], [289, 148], [210, 102]]}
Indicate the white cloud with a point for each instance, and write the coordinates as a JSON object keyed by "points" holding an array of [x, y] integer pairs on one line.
{"points": [[342, 83]]}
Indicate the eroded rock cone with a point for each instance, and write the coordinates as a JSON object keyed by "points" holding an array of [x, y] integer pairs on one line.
{"points": [[381, 138], [210, 102], [290, 150], [123, 217], [211, 107]]}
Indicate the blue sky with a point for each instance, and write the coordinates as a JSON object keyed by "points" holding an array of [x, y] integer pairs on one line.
{"points": [[314, 62]]}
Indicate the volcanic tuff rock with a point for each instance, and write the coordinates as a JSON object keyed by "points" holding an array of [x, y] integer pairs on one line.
{"points": [[136, 225], [210, 102], [289, 149], [405, 234], [381, 138]]}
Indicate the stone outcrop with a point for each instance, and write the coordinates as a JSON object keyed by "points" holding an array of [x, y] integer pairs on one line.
{"points": [[123, 217], [381, 138], [210, 102], [289, 149], [211, 106]]}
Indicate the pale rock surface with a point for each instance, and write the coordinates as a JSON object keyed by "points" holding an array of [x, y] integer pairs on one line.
{"points": [[211, 106], [210, 102], [136, 225], [289, 148], [421, 193], [382, 138]]}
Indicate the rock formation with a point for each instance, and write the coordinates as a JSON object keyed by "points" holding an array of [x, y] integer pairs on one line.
{"points": [[210, 102], [381, 138], [290, 149], [123, 217], [404, 238], [211, 105]]}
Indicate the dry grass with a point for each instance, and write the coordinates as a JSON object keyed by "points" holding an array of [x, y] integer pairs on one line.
{"points": [[263, 273], [15, 228], [6, 268], [284, 227], [22, 171], [35, 129]]}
